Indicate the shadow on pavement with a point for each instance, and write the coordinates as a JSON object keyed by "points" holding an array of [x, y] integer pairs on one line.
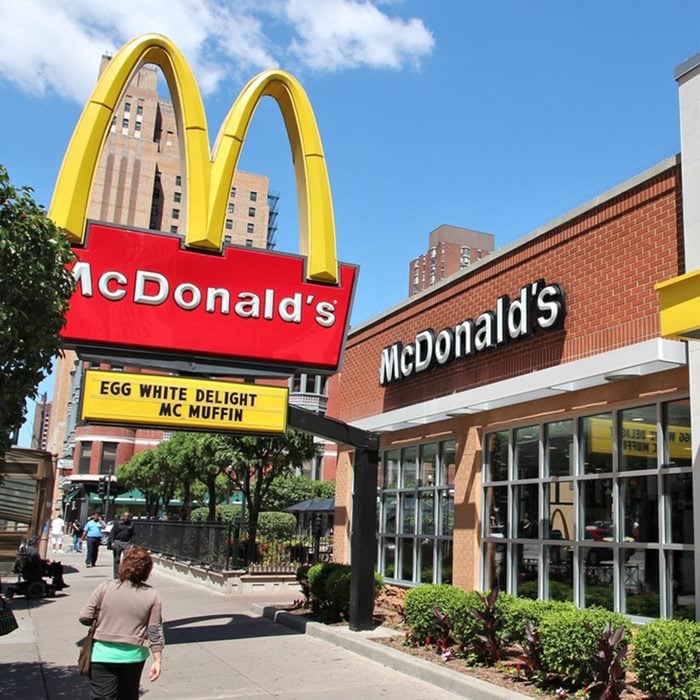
{"points": [[230, 626], [24, 680]]}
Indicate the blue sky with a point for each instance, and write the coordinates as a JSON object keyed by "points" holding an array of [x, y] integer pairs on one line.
{"points": [[497, 115]]}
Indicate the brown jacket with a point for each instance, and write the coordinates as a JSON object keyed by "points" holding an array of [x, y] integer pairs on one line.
{"points": [[127, 613]]}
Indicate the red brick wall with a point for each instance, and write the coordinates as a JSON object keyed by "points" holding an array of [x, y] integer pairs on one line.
{"points": [[607, 260]]}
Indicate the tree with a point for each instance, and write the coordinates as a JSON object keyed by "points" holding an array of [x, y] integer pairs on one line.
{"points": [[36, 288], [255, 462], [288, 490], [150, 473]]}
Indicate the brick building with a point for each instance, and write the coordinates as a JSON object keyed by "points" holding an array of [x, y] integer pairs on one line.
{"points": [[537, 432], [450, 249]]}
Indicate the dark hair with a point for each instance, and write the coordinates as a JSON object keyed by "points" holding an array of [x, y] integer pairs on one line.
{"points": [[136, 565]]}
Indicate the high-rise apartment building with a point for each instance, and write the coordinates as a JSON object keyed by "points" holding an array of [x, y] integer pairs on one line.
{"points": [[139, 184], [40, 426], [450, 249]]}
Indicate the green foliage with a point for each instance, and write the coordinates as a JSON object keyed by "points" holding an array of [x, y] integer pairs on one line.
{"points": [[570, 638], [36, 288], [420, 605], [666, 657], [516, 612], [254, 462], [285, 491], [318, 575], [302, 575], [225, 512], [277, 526], [329, 588], [149, 472]]}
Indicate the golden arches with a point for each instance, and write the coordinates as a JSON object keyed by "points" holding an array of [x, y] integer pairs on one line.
{"points": [[207, 181]]}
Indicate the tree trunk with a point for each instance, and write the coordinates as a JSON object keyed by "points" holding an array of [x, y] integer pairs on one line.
{"points": [[211, 489]]}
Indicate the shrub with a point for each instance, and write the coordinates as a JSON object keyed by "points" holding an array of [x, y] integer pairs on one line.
{"points": [[317, 575], [329, 589], [570, 638], [302, 576], [515, 613], [666, 657], [420, 605], [225, 512], [277, 526]]}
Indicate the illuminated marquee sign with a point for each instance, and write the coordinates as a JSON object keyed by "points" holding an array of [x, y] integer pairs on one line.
{"points": [[539, 306], [145, 293], [169, 402]]}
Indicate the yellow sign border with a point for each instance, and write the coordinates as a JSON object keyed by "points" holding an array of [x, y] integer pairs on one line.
{"points": [[207, 182], [183, 403]]}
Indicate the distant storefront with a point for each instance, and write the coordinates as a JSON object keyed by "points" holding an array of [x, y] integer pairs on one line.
{"points": [[536, 429]]}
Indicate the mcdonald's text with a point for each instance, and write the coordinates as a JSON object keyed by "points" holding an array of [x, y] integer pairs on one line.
{"points": [[154, 289], [143, 290]]}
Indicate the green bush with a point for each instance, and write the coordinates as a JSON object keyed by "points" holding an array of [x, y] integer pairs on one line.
{"points": [[276, 526], [420, 605], [329, 589], [516, 612], [225, 512], [465, 627], [666, 657], [570, 637], [318, 575]]}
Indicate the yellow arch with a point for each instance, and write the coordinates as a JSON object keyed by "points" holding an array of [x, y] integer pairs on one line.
{"points": [[207, 182]]}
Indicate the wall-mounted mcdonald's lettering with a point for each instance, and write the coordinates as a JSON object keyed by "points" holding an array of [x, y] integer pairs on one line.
{"points": [[151, 293]]}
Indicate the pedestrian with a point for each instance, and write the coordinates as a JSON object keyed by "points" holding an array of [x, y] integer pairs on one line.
{"points": [[121, 537], [92, 532], [58, 529], [129, 623], [76, 530]]}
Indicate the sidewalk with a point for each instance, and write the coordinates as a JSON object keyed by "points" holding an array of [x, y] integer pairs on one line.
{"points": [[216, 647]]}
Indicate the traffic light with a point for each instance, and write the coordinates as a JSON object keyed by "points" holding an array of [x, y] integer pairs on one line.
{"points": [[102, 487]]}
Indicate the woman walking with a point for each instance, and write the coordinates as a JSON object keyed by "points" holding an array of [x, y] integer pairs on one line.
{"points": [[129, 622]]}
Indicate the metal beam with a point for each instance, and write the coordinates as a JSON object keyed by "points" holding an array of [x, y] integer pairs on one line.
{"points": [[363, 539]]}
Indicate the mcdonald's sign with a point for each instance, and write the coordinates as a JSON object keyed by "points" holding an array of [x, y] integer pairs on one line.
{"points": [[140, 292]]}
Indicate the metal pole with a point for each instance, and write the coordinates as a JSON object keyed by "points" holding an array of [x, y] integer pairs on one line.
{"points": [[109, 483], [363, 540]]}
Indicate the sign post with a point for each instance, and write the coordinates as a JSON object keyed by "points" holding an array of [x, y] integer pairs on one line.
{"points": [[163, 300]]}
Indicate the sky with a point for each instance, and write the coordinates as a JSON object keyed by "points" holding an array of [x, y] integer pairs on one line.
{"points": [[495, 115]]}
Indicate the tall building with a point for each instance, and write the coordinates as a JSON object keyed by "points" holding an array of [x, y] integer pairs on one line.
{"points": [[450, 249], [139, 184], [40, 425]]}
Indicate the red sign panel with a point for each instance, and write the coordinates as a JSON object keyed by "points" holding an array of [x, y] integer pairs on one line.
{"points": [[140, 290]]}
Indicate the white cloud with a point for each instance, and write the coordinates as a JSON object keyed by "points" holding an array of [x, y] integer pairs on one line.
{"points": [[55, 45], [336, 34]]}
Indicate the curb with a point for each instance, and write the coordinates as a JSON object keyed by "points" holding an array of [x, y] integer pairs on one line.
{"points": [[361, 643]]}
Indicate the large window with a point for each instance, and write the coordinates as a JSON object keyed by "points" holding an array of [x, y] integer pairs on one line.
{"points": [[595, 509], [85, 457], [416, 512], [108, 462]]}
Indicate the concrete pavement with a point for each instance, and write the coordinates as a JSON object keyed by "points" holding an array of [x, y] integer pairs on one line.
{"points": [[217, 646]]}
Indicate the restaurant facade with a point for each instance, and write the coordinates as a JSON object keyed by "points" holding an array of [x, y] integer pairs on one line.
{"points": [[536, 428]]}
